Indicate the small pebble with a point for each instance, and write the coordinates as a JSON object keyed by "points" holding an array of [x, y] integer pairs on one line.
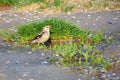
{"points": [[88, 15], [86, 71], [96, 19], [8, 62], [15, 30], [36, 16], [17, 62], [89, 35], [103, 71], [1, 15], [12, 29], [19, 79], [78, 21], [25, 74], [30, 14], [107, 8], [79, 79], [56, 55], [9, 45], [23, 18], [44, 62], [115, 18], [109, 75], [42, 54], [103, 75], [114, 74], [15, 15], [69, 13], [27, 63], [94, 24], [35, 11], [28, 19], [118, 12], [2, 44], [73, 17], [93, 78], [30, 52]]}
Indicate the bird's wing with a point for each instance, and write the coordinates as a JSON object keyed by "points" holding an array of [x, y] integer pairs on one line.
{"points": [[39, 35]]}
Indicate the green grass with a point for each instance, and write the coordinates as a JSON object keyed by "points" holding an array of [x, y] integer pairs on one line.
{"points": [[75, 54], [57, 3], [71, 53], [19, 2], [10, 2], [61, 29], [66, 6]]}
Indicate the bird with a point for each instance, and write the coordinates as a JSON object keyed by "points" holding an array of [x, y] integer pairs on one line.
{"points": [[43, 36]]}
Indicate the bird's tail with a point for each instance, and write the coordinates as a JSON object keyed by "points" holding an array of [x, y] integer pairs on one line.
{"points": [[32, 41]]}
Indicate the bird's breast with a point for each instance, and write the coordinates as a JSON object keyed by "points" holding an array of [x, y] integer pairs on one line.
{"points": [[44, 38]]}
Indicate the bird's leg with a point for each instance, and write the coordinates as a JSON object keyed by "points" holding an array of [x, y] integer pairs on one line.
{"points": [[48, 42]]}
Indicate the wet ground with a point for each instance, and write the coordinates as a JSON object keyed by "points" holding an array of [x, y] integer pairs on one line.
{"points": [[18, 63], [23, 64]]}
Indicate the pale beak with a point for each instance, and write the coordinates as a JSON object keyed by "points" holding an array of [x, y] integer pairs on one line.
{"points": [[51, 27]]}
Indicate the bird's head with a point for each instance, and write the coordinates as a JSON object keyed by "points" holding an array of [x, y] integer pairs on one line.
{"points": [[47, 28]]}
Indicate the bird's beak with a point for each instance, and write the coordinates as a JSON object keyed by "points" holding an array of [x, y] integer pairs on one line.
{"points": [[51, 27]]}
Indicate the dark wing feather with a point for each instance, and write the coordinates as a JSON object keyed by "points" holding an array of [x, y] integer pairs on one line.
{"points": [[38, 36]]}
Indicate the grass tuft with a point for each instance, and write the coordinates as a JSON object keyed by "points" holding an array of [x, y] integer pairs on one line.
{"points": [[80, 52], [62, 29], [77, 55]]}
